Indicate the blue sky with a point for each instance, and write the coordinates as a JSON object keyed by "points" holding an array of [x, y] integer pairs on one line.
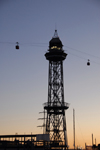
{"points": [[24, 72]]}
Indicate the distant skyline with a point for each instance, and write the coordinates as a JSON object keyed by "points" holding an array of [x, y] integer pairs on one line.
{"points": [[24, 72]]}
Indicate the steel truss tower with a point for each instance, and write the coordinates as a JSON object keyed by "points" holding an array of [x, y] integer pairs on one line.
{"points": [[55, 107]]}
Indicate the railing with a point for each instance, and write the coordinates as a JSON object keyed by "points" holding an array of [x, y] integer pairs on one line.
{"points": [[56, 104]]}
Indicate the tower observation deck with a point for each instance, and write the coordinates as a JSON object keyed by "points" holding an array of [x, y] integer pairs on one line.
{"points": [[56, 106]]}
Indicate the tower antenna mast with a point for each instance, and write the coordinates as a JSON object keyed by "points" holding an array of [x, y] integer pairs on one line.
{"points": [[74, 127]]}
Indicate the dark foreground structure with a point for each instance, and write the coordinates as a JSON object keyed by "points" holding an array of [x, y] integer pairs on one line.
{"points": [[22, 142], [56, 106], [33, 142], [28, 142]]}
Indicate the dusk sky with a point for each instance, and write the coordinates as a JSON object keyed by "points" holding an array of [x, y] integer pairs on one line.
{"points": [[24, 72]]}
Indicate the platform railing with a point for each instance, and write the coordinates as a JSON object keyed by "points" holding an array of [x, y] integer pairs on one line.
{"points": [[56, 104]]}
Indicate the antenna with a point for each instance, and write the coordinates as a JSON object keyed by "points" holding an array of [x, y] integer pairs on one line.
{"points": [[74, 127], [55, 26]]}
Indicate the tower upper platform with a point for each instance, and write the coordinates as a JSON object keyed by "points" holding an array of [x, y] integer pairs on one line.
{"points": [[56, 53]]}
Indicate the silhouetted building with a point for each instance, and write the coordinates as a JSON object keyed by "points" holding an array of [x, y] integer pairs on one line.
{"points": [[24, 142]]}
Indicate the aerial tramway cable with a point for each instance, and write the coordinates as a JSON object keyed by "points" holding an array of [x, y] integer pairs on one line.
{"points": [[45, 44]]}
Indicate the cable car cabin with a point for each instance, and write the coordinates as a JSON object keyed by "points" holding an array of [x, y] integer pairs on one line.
{"points": [[17, 46], [88, 63]]}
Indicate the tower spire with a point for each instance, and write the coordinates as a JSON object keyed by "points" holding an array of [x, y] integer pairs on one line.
{"points": [[55, 34]]}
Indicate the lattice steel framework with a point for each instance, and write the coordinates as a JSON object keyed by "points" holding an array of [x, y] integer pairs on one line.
{"points": [[55, 107]]}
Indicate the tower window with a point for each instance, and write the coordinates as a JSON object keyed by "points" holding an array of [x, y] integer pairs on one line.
{"points": [[55, 47]]}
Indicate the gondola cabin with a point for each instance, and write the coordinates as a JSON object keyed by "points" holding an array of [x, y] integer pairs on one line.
{"points": [[17, 45], [88, 63]]}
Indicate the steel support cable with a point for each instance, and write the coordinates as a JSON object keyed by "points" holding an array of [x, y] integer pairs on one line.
{"points": [[83, 58], [45, 45], [25, 43], [82, 52]]}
